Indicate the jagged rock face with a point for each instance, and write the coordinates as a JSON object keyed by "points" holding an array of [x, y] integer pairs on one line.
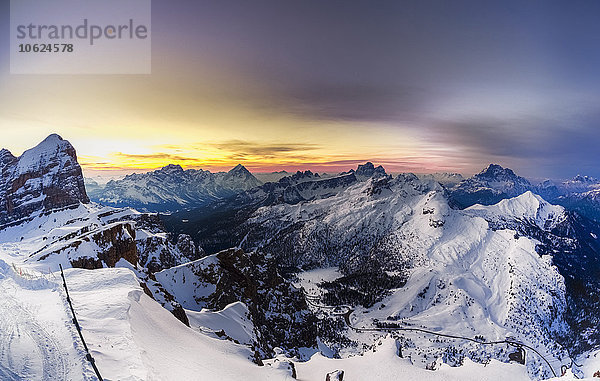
{"points": [[43, 178], [157, 253], [120, 244], [188, 248], [586, 203], [115, 242], [278, 310], [173, 188], [368, 170], [157, 249], [491, 185], [299, 177]]}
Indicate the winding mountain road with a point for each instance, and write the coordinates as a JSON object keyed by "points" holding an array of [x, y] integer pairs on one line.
{"points": [[312, 300]]}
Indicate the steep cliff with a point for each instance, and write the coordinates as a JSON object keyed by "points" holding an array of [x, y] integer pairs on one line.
{"points": [[42, 179]]}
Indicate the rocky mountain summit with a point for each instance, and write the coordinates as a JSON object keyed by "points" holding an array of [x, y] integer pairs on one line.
{"points": [[580, 194], [491, 185], [44, 178], [368, 170]]}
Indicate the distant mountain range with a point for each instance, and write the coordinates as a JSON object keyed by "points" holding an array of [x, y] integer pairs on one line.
{"points": [[172, 188]]}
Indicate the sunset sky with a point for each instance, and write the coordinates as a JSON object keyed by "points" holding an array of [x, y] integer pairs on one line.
{"points": [[417, 86]]}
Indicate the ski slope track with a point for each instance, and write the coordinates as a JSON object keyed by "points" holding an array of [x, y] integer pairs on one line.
{"points": [[22, 322], [37, 341]]}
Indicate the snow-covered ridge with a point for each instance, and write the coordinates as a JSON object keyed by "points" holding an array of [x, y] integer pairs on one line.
{"points": [[527, 207]]}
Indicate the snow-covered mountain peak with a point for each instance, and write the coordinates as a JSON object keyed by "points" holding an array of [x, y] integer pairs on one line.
{"points": [[299, 177], [4, 153], [584, 179], [366, 171], [548, 183], [240, 173], [489, 186], [495, 172], [43, 178], [238, 178], [413, 181], [6, 157], [527, 207], [52, 148], [239, 169], [493, 168]]}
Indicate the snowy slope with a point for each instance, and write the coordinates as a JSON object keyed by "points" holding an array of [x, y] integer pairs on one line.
{"points": [[133, 338], [143, 341], [528, 207], [130, 336], [383, 364], [37, 340]]}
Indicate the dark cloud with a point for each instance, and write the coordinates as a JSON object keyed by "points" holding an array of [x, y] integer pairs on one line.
{"points": [[241, 148], [537, 145], [358, 102], [166, 157]]}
